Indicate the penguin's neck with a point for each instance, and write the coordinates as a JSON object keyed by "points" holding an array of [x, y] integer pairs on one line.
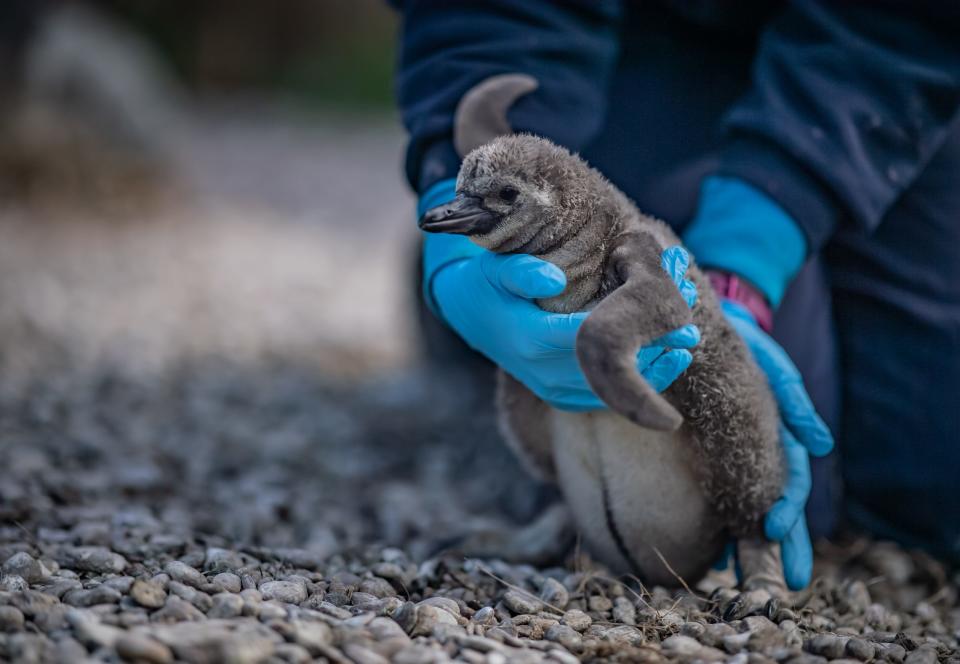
{"points": [[582, 257]]}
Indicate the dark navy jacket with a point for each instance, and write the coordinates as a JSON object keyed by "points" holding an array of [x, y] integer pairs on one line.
{"points": [[845, 104]]}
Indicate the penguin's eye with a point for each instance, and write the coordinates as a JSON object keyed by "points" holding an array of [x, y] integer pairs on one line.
{"points": [[509, 194]]}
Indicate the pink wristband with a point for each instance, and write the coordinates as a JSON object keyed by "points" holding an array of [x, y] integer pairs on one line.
{"points": [[731, 287]]}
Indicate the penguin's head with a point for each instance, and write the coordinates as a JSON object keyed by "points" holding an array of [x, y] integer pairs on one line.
{"points": [[511, 192]]}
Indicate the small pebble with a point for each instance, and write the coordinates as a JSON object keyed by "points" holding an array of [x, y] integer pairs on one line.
{"points": [[599, 604], [227, 582], [24, 565], [290, 592], [148, 594], [226, 605], [11, 619], [576, 620], [137, 648], [96, 559], [521, 602], [553, 593], [180, 571]]}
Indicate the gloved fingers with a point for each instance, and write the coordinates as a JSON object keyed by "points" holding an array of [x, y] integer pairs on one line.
{"points": [[667, 368], [797, 554], [687, 336], [675, 261], [801, 417], [647, 355], [785, 512], [523, 275], [556, 334], [688, 290]]}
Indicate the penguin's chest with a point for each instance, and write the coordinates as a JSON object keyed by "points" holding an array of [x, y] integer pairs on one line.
{"points": [[635, 494]]}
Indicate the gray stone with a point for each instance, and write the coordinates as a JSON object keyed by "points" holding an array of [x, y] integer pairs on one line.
{"points": [[227, 582], [180, 571], [292, 653], [624, 611], [290, 592], [922, 655], [121, 584], [577, 620], [599, 603], [566, 636], [521, 602], [485, 616], [148, 594], [271, 610], [444, 603], [363, 655], [312, 635], [226, 605], [553, 593], [90, 630], [827, 645], [860, 649], [683, 646], [222, 560], [176, 610], [24, 565], [13, 583], [96, 559], [11, 619], [139, 648], [98, 595], [428, 618]]}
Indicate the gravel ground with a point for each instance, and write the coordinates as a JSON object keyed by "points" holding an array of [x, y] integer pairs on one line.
{"points": [[217, 445], [223, 515]]}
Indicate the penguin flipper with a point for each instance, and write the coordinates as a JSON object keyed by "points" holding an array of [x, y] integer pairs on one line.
{"points": [[644, 307]]}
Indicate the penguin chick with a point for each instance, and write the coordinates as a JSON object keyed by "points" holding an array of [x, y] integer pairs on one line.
{"points": [[658, 483]]}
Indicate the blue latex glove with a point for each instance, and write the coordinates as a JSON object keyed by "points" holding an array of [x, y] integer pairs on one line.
{"points": [[802, 432], [740, 229], [487, 299]]}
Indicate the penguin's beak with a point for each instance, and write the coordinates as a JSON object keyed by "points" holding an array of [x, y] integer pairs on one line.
{"points": [[464, 215]]}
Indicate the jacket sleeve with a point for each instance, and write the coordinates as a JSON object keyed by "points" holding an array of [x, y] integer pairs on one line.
{"points": [[849, 101], [448, 46]]}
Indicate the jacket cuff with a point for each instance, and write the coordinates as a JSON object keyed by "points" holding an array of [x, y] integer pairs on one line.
{"points": [[802, 196], [739, 229]]}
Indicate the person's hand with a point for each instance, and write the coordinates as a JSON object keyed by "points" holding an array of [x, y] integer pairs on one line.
{"points": [[802, 432], [488, 300]]}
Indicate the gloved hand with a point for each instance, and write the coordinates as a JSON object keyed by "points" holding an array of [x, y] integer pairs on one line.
{"points": [[801, 432], [487, 299], [741, 230]]}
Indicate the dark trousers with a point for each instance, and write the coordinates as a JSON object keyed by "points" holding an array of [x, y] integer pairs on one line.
{"points": [[872, 321]]}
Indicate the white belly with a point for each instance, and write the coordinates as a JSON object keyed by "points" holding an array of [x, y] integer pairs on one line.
{"points": [[636, 485]]}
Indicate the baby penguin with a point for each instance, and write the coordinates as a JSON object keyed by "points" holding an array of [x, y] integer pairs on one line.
{"points": [[658, 483]]}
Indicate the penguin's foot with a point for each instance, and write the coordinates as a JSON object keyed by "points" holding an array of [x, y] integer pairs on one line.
{"points": [[764, 588]]}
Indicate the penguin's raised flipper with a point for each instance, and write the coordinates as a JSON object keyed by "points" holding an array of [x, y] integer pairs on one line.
{"points": [[646, 306], [481, 115]]}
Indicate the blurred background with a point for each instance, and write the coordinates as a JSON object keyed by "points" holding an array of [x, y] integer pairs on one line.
{"points": [[207, 284], [237, 151]]}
